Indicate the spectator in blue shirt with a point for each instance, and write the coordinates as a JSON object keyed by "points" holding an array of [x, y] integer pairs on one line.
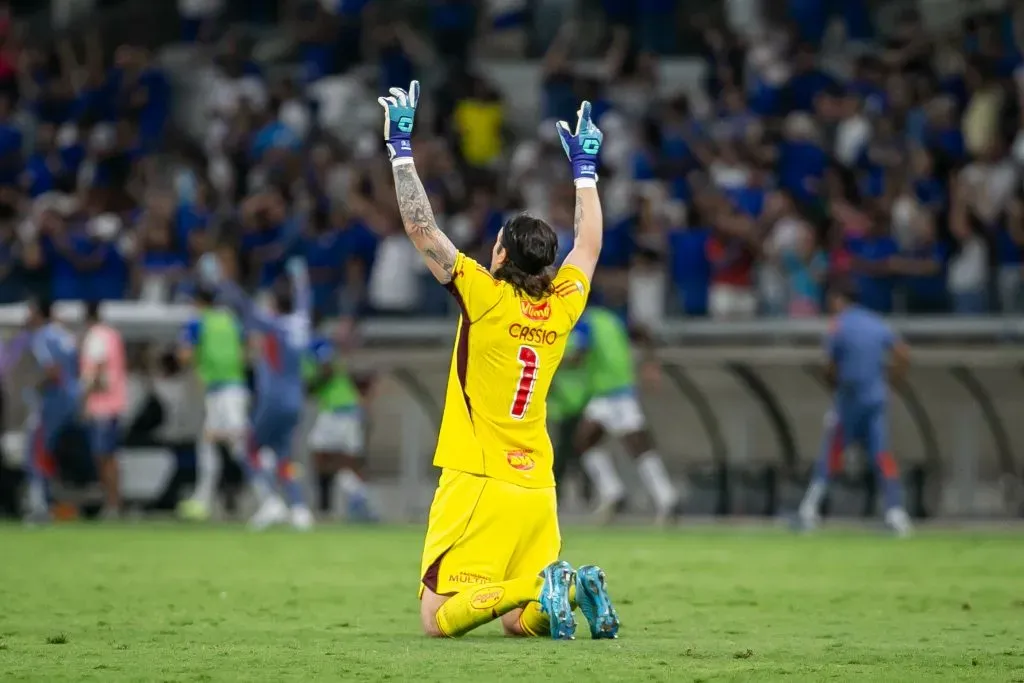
{"points": [[922, 265], [271, 234], [44, 169], [807, 82], [689, 268], [161, 262], [872, 267], [802, 162], [324, 245]]}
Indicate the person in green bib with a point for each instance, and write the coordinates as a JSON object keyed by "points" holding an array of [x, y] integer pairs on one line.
{"points": [[337, 437], [567, 399], [213, 343], [614, 410]]}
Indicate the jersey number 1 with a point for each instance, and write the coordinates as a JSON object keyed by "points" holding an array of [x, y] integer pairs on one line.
{"points": [[527, 379]]}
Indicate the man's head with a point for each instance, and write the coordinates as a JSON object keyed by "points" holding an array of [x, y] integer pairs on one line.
{"points": [[40, 312], [92, 312], [206, 296], [841, 294], [282, 301], [523, 254]]}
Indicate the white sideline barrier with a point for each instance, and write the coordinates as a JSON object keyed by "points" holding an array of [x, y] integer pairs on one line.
{"points": [[162, 321]]}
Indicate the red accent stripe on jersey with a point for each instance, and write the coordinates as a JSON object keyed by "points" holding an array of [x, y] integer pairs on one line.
{"points": [[462, 346], [565, 289], [272, 351]]}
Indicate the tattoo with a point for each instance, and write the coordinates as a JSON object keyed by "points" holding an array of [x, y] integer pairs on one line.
{"points": [[577, 218], [418, 219]]}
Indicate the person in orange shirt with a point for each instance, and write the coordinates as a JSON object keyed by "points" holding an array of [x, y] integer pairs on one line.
{"points": [[492, 542]]}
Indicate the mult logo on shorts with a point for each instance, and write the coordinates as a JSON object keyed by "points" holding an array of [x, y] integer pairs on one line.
{"points": [[520, 460], [468, 577], [539, 311], [486, 598], [532, 335]]}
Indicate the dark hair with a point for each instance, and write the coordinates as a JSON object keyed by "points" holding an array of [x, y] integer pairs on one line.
{"points": [[43, 306], [284, 301], [92, 311], [205, 295], [530, 249], [843, 287]]}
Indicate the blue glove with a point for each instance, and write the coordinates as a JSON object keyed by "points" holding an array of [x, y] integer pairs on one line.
{"points": [[399, 114], [583, 145]]}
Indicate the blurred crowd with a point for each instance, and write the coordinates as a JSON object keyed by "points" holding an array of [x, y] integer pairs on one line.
{"points": [[821, 141]]}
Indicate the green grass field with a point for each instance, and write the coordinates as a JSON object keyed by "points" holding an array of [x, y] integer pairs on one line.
{"points": [[157, 602]]}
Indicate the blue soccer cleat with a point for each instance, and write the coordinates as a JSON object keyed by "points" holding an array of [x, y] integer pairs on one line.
{"points": [[554, 600], [596, 605]]}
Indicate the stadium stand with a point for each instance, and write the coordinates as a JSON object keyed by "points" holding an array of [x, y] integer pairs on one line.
{"points": [[755, 148]]}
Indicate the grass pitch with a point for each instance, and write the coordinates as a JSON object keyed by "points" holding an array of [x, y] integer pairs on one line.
{"points": [[154, 602]]}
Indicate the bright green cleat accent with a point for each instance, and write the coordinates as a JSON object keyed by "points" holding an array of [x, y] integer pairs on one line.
{"points": [[193, 511], [593, 600], [554, 600]]}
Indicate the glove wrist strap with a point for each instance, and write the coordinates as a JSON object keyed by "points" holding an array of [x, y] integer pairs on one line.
{"points": [[401, 161]]}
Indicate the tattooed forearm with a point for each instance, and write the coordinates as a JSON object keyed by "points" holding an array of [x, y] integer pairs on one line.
{"points": [[577, 218], [418, 219]]}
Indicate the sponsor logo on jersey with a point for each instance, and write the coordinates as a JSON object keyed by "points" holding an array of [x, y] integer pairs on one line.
{"points": [[520, 460], [532, 335], [539, 311], [486, 598]]}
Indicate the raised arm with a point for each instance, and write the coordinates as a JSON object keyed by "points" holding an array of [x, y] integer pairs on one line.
{"points": [[417, 216], [231, 294], [298, 273], [582, 146]]}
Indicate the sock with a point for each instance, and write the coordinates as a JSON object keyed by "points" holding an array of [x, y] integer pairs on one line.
{"points": [[207, 471], [534, 622], [811, 503], [892, 488], [463, 612], [830, 457], [325, 491], [600, 467], [656, 481], [37, 503], [288, 475]]}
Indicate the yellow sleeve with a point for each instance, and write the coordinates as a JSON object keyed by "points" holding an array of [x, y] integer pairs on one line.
{"points": [[476, 292], [572, 288]]}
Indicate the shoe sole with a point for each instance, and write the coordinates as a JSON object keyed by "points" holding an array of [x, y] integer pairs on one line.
{"points": [[554, 601], [592, 596]]}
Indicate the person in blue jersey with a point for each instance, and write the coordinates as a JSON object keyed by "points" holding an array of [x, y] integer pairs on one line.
{"points": [[862, 353], [281, 339], [55, 403]]}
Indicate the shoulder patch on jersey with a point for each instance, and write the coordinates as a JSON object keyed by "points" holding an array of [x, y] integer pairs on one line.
{"points": [[535, 311]]}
